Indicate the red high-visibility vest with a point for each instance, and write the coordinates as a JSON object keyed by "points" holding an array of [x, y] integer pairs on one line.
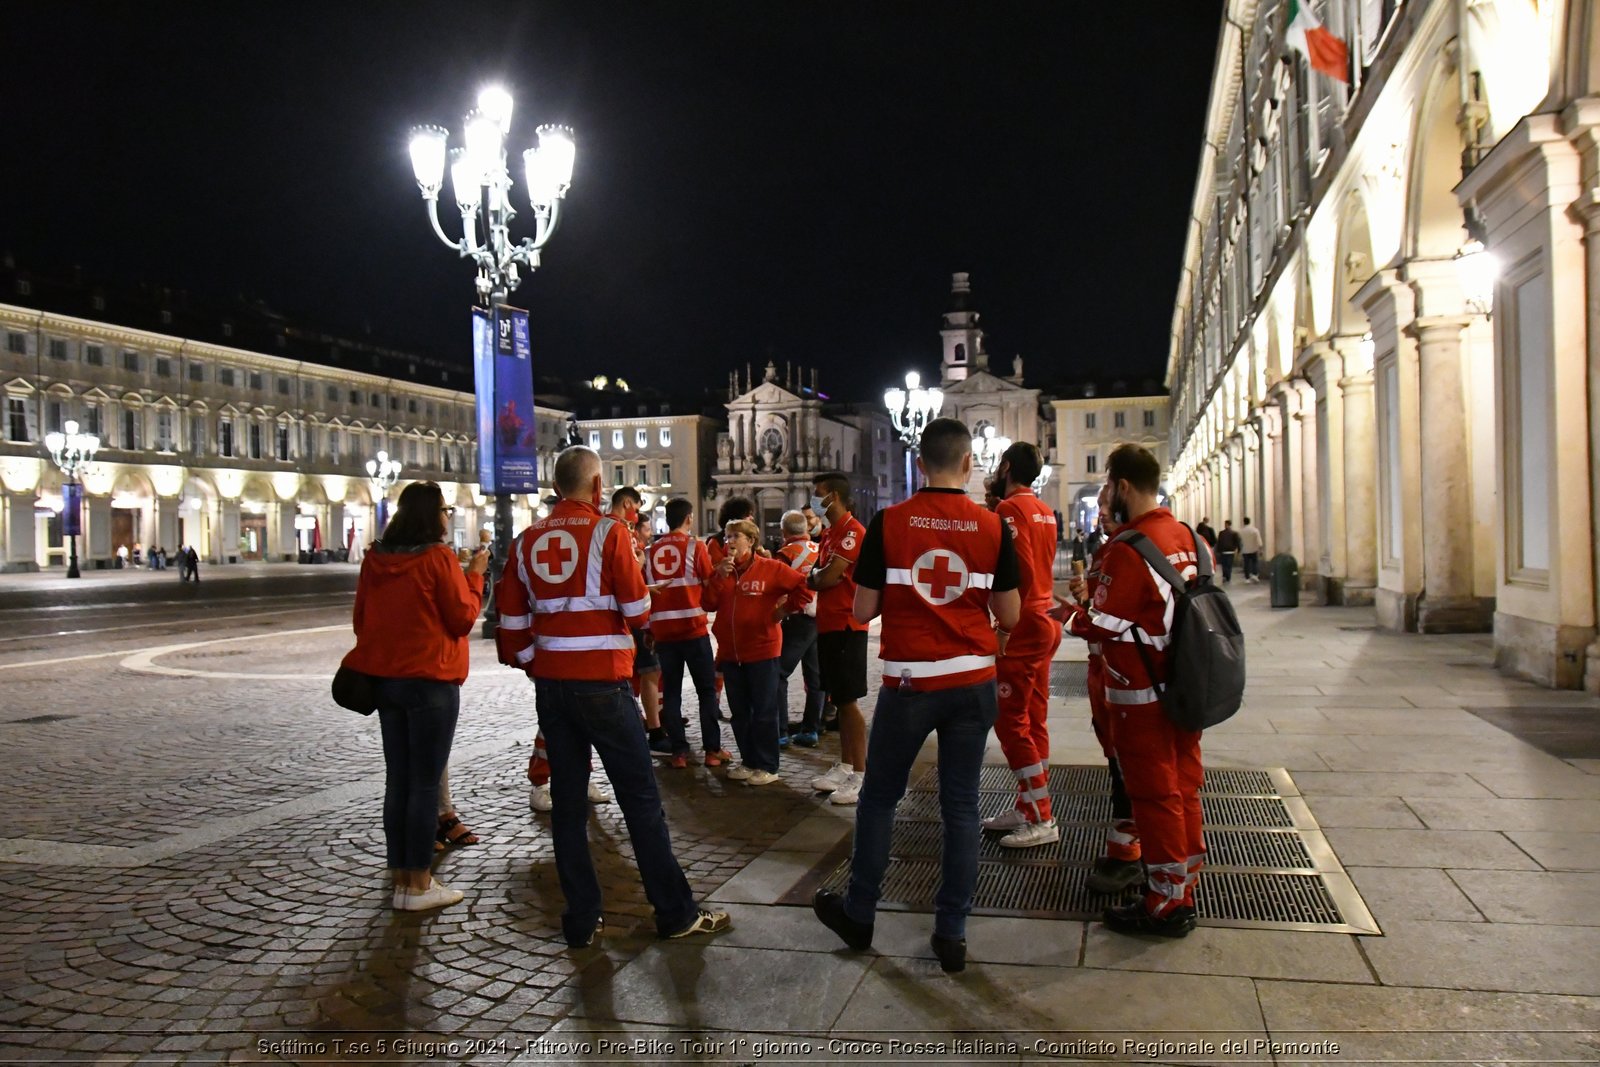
{"points": [[801, 554], [680, 560], [940, 551], [570, 596], [1033, 535]]}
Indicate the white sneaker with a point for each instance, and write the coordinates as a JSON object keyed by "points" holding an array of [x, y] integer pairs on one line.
{"points": [[827, 783], [596, 794], [759, 777], [849, 790], [1008, 821], [437, 895], [740, 773], [1032, 835], [539, 798]]}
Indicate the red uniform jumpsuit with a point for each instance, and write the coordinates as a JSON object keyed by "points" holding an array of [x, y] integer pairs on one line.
{"points": [[1122, 838], [1023, 672], [1160, 762]]}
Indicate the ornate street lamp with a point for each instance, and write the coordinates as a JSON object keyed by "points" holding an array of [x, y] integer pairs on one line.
{"points": [[987, 448], [383, 472], [481, 182], [72, 451], [911, 409]]}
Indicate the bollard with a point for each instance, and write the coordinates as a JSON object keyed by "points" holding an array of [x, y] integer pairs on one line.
{"points": [[1283, 575]]}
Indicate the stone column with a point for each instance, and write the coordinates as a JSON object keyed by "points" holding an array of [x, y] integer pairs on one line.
{"points": [[1582, 120], [1360, 462], [1270, 433], [1326, 369], [1288, 531], [1308, 537]]}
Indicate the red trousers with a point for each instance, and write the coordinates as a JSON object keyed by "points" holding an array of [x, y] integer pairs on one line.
{"points": [[1161, 766], [1023, 682], [1122, 837]]}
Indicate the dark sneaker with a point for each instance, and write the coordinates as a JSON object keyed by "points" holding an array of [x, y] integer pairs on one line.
{"points": [[952, 953], [661, 746], [577, 939], [707, 922], [805, 739], [783, 740], [1135, 919], [1112, 876], [829, 907]]}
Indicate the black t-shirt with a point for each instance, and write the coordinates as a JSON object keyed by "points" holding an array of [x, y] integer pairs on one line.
{"points": [[872, 573]]}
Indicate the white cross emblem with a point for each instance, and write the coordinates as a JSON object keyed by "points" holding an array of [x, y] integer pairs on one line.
{"points": [[939, 576], [555, 556], [666, 561]]}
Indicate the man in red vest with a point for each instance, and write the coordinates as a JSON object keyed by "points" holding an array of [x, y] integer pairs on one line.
{"points": [[677, 566], [841, 637], [1160, 762], [935, 566], [570, 599], [1023, 672]]}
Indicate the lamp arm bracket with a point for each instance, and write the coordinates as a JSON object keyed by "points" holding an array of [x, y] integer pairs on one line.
{"points": [[433, 217]]}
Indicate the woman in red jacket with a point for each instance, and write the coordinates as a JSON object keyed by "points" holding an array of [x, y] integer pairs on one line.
{"points": [[414, 610], [751, 594]]}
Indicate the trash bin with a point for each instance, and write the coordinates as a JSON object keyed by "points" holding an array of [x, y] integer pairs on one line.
{"points": [[1283, 574]]}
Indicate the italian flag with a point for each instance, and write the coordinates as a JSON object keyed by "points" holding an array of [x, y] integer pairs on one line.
{"points": [[1310, 38]]}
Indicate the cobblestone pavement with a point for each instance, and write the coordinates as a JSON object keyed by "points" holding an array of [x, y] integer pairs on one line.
{"points": [[197, 861], [192, 870]]}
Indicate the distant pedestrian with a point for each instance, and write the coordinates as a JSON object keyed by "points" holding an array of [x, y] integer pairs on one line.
{"points": [[193, 559], [414, 610], [1206, 530], [1250, 549], [1227, 543]]}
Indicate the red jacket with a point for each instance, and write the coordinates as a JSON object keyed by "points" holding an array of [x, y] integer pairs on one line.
{"points": [[1128, 595], [571, 593], [745, 602], [414, 610], [1033, 535], [682, 562]]}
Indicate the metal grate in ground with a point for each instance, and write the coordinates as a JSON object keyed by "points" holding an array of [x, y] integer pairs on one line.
{"points": [[1268, 865], [1069, 680]]}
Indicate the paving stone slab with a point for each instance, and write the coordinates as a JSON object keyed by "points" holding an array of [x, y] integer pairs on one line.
{"points": [[1389, 784], [1554, 898], [1557, 851], [1365, 812], [1466, 813], [1430, 1025], [1220, 951], [1393, 893], [1507, 957], [1427, 848]]}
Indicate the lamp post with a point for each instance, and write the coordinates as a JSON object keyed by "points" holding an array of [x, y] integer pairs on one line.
{"points": [[987, 448], [911, 409], [1043, 480], [480, 181], [72, 451], [383, 472]]}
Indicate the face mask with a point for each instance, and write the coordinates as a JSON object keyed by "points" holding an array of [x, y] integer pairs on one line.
{"points": [[819, 505]]}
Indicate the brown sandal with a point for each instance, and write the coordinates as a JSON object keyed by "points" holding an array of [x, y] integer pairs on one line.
{"points": [[454, 833]]}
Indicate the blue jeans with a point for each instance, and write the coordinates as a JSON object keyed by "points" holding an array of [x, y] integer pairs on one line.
{"points": [[576, 717], [901, 722], [800, 649], [694, 654], [752, 690], [418, 720]]}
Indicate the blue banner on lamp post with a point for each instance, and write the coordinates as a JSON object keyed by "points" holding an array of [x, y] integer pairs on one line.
{"points": [[71, 509], [508, 433]]}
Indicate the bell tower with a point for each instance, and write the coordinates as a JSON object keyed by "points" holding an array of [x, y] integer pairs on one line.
{"points": [[963, 340]]}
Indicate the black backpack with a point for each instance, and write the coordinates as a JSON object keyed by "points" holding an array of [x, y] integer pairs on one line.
{"points": [[1205, 653]]}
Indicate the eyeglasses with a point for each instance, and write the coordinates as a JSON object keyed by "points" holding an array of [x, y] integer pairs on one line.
{"points": [[448, 510]]}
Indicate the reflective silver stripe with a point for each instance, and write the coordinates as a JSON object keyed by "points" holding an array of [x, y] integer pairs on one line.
{"points": [[597, 544], [801, 560], [936, 668], [902, 576], [1029, 771], [576, 603], [583, 644], [525, 656], [1130, 696], [1094, 648], [1103, 621], [635, 607], [679, 583], [1042, 793], [520, 550], [515, 622], [1157, 641], [1120, 837], [678, 613]]}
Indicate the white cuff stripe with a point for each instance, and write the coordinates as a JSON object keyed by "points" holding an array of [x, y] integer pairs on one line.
{"points": [[1128, 697], [515, 622]]}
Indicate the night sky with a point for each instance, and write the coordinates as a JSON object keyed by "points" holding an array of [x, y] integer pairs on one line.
{"points": [[755, 180]]}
